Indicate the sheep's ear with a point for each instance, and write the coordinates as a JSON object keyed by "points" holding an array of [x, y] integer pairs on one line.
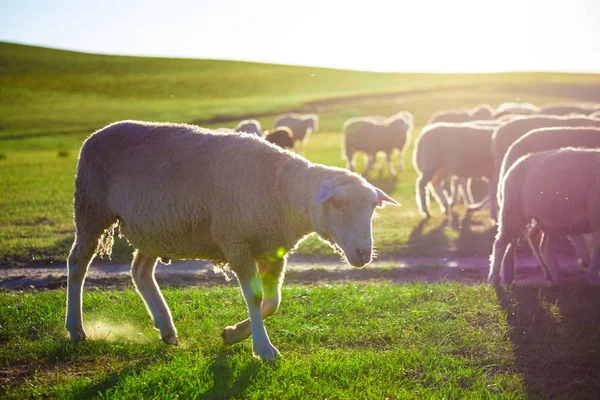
{"points": [[383, 198], [325, 191]]}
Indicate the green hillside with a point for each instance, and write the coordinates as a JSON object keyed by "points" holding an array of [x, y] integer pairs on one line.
{"points": [[47, 91]]}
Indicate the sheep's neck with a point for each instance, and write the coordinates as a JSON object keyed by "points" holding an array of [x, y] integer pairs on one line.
{"points": [[300, 185]]}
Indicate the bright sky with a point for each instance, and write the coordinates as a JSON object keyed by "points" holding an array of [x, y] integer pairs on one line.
{"points": [[377, 35]]}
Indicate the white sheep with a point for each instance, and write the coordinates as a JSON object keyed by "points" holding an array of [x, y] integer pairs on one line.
{"points": [[302, 125], [249, 126], [545, 139], [506, 134], [372, 135], [514, 109], [566, 109], [557, 192], [443, 150], [180, 191], [480, 112]]}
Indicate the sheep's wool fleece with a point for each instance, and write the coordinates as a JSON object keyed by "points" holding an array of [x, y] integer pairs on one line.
{"points": [[180, 191]]}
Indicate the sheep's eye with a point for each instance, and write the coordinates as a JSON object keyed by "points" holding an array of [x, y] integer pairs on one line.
{"points": [[337, 203]]}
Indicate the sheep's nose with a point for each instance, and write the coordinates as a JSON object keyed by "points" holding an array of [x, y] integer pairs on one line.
{"points": [[364, 255]]}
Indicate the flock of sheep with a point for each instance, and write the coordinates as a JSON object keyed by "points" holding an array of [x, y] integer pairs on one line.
{"points": [[181, 191]]}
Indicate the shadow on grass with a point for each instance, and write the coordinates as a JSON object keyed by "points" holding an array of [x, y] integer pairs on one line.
{"points": [[226, 383], [555, 338], [427, 241]]}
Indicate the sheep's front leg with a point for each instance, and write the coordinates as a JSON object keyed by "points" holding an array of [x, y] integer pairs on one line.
{"points": [[271, 277], [250, 284]]}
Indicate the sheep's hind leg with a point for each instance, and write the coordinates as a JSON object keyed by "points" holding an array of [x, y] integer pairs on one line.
{"points": [[370, 164], [498, 252], [422, 195], [593, 277], [142, 272], [250, 283], [583, 255], [547, 250], [82, 253]]}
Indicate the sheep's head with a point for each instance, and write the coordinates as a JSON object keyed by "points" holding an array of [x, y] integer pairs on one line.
{"points": [[344, 212]]}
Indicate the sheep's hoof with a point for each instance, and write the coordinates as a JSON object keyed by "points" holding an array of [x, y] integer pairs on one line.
{"points": [[171, 339], [78, 336], [266, 353], [584, 263]]}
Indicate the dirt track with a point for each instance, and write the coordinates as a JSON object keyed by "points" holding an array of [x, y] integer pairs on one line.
{"points": [[300, 269]]}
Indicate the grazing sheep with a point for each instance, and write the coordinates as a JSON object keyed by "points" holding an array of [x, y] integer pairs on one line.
{"points": [[444, 150], [281, 137], [210, 201], [249, 126], [506, 134], [374, 134], [302, 125], [566, 109], [544, 139], [514, 109], [481, 112], [557, 192]]}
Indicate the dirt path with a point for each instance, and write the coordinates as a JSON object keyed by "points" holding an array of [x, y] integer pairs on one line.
{"points": [[301, 269]]}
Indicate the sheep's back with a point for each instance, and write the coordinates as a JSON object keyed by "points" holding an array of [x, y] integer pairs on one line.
{"points": [[561, 189], [172, 185]]}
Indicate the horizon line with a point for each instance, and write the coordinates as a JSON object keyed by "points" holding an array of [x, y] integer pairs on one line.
{"points": [[177, 57]]}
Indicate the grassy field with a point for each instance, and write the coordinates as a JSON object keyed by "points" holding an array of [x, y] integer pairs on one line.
{"points": [[51, 100], [342, 340], [370, 340]]}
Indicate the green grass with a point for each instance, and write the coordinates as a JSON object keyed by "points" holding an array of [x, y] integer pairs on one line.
{"points": [[369, 340], [50, 100]]}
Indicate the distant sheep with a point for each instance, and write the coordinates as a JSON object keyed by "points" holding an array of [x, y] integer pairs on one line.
{"points": [[505, 135], [281, 137], [443, 150], [302, 125], [557, 192], [375, 134], [481, 112], [249, 126], [566, 109], [515, 109], [210, 201]]}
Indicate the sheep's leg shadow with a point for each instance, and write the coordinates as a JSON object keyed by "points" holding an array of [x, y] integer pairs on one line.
{"points": [[142, 272], [253, 285]]}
